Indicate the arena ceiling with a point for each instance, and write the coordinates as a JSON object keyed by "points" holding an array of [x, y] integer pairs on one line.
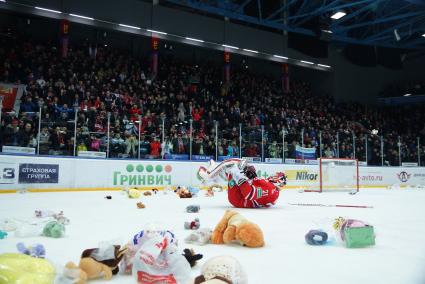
{"points": [[388, 23]]}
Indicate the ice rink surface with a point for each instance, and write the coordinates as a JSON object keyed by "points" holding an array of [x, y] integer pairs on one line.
{"points": [[398, 217]]}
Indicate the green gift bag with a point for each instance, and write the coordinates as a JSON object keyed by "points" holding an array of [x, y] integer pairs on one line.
{"points": [[358, 237]]}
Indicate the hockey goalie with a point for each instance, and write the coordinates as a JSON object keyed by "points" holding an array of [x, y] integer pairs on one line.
{"points": [[245, 189]]}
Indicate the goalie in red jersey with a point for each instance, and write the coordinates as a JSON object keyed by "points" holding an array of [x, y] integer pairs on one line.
{"points": [[245, 189]]}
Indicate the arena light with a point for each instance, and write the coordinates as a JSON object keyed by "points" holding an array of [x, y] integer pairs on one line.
{"points": [[48, 10], [230, 46], [156, 32], [338, 15], [327, 31], [2, 0], [82, 17], [250, 50], [281, 57], [306, 62], [194, 39], [423, 35], [323, 65], [407, 95], [130, 27]]}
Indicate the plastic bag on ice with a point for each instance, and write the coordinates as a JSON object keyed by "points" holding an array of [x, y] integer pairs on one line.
{"points": [[158, 261]]}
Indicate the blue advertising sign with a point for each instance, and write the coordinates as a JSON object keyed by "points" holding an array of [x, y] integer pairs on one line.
{"points": [[38, 173], [202, 157], [176, 156]]}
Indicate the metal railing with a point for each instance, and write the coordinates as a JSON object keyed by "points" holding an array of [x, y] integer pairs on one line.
{"points": [[161, 138]]}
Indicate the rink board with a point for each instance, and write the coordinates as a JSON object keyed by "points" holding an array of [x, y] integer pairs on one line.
{"points": [[53, 173]]}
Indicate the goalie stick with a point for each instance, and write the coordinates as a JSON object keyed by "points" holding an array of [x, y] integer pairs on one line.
{"points": [[330, 205]]}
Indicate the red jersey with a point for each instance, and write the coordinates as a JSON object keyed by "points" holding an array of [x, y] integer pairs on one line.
{"points": [[254, 193], [155, 148]]}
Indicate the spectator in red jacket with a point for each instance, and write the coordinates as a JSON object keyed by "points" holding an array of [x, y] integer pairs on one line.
{"points": [[155, 148], [134, 113]]}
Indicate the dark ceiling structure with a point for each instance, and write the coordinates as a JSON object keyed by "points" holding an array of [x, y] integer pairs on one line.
{"points": [[385, 23]]}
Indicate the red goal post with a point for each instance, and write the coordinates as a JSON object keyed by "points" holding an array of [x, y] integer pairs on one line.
{"points": [[337, 174]]}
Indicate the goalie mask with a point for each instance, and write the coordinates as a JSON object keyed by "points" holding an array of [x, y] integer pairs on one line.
{"points": [[250, 171]]}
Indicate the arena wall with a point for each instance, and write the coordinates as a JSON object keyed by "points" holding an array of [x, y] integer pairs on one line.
{"points": [[52, 173]]}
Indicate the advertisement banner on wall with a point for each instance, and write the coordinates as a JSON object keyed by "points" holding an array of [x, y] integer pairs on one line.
{"points": [[18, 150], [143, 174], [92, 154], [38, 173], [8, 173], [65, 173], [273, 160], [176, 156], [202, 158]]}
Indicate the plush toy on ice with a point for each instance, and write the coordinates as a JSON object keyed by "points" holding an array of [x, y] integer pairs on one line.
{"points": [[95, 263], [192, 225], [24, 269], [234, 227], [152, 257], [222, 269], [245, 189], [354, 233], [37, 250], [199, 237]]}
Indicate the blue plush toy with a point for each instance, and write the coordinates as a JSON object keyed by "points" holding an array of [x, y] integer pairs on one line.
{"points": [[193, 208], [316, 237], [37, 250], [193, 190], [3, 234]]}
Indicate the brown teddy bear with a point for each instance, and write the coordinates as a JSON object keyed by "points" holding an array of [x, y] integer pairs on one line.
{"points": [[87, 269], [233, 226], [91, 268], [182, 192]]}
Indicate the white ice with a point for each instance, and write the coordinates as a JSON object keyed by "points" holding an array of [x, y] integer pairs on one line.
{"points": [[398, 217]]}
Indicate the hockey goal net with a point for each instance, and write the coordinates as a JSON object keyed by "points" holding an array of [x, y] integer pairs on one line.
{"points": [[337, 174]]}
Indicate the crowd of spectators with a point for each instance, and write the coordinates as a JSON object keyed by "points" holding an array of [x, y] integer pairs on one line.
{"points": [[93, 87]]}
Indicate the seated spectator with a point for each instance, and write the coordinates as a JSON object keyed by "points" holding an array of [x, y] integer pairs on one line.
{"points": [[274, 150], [25, 135], [81, 147], [118, 145], [167, 147], [29, 106], [328, 153], [95, 143], [57, 142], [131, 143], [251, 150], [144, 147], [44, 138], [155, 148], [232, 149], [179, 144]]}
